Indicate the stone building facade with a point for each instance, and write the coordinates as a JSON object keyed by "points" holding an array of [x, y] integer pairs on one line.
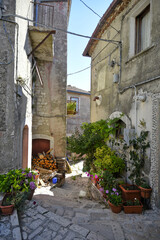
{"points": [[49, 102], [15, 86], [126, 74], [82, 115], [30, 47]]}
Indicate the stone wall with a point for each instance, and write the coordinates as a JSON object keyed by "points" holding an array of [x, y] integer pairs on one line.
{"points": [[49, 104], [15, 110]]}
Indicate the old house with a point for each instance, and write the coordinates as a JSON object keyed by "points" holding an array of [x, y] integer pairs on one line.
{"points": [[49, 101], [125, 74], [33, 58], [82, 114]]}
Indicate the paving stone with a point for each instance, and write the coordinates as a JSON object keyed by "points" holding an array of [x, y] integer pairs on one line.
{"points": [[31, 212], [17, 234], [117, 231], [60, 211], [40, 216], [34, 233], [58, 219], [34, 224], [41, 210], [5, 229], [63, 231], [79, 229], [26, 229], [69, 213], [54, 226], [59, 237], [94, 236], [70, 235], [53, 235], [14, 218], [24, 235]]}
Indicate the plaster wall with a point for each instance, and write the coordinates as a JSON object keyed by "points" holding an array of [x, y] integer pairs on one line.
{"points": [[49, 104], [15, 111], [75, 122]]}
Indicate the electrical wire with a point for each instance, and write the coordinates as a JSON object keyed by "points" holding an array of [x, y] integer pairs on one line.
{"points": [[82, 70], [9, 39], [90, 8], [98, 15], [62, 30], [93, 65]]}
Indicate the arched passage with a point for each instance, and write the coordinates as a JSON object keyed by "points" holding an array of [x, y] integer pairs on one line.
{"points": [[25, 148]]}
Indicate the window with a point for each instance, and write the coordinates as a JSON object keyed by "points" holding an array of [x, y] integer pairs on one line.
{"points": [[142, 35], [75, 99]]}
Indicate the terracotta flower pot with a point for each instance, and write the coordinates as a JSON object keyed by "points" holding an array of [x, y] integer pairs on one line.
{"points": [[115, 209], [133, 209], [7, 210], [145, 192], [130, 194]]}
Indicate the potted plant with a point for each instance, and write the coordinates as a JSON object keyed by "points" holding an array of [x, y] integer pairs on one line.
{"points": [[71, 107], [133, 206], [18, 184], [129, 192], [145, 190], [138, 148], [11, 201], [114, 200]]}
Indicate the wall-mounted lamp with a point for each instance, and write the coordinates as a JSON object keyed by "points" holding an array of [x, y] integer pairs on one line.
{"points": [[98, 99], [95, 98]]}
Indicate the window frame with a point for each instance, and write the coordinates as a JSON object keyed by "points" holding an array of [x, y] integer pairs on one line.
{"points": [[138, 28]]}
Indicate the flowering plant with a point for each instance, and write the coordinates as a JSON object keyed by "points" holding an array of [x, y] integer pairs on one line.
{"points": [[114, 197], [17, 180]]}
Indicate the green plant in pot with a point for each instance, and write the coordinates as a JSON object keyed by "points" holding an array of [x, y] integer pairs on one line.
{"points": [[18, 184], [138, 156], [133, 206], [114, 200], [71, 107]]}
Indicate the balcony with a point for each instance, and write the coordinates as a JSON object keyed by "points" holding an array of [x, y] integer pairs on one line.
{"points": [[41, 34]]}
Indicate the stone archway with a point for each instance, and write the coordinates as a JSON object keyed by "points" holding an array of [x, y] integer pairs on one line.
{"points": [[123, 117], [25, 147]]}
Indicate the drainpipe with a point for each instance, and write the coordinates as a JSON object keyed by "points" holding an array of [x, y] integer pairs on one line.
{"points": [[135, 95]]}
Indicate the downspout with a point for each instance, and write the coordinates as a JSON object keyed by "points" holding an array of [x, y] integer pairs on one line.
{"points": [[135, 95]]}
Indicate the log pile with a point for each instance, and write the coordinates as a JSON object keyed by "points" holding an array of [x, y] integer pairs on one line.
{"points": [[44, 160]]}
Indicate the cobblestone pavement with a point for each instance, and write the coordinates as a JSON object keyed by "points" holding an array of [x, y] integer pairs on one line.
{"points": [[61, 213], [9, 227]]}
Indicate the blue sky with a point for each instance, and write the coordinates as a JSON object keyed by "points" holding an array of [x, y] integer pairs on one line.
{"points": [[82, 21]]}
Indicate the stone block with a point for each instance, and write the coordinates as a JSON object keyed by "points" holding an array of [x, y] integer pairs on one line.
{"points": [[17, 234], [58, 219], [78, 229], [14, 218], [34, 233]]}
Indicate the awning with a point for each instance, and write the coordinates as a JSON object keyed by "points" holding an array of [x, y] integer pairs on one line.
{"points": [[42, 43]]}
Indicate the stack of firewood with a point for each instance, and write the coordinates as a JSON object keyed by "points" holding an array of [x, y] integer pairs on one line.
{"points": [[44, 160]]}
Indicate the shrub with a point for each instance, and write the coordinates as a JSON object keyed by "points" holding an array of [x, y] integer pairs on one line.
{"points": [[108, 159], [93, 136]]}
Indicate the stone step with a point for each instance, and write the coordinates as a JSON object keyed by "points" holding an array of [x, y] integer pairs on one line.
{"points": [[39, 223]]}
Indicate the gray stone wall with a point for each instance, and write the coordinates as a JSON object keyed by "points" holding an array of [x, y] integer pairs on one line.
{"points": [[14, 110], [50, 100]]}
